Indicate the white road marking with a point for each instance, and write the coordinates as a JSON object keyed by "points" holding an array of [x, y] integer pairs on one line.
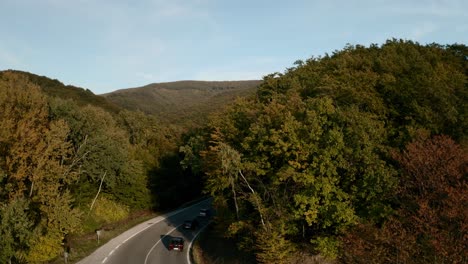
{"points": [[149, 252], [193, 239], [151, 224]]}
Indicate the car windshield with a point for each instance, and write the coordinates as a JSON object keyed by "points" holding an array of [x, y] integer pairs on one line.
{"points": [[177, 240]]}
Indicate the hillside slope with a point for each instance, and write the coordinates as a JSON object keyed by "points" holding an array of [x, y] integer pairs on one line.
{"points": [[55, 88], [182, 102]]}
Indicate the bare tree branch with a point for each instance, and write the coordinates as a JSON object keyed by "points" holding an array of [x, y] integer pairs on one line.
{"points": [[255, 196], [99, 190]]}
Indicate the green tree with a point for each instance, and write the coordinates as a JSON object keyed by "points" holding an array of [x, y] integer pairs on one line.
{"points": [[34, 159], [314, 143], [149, 138], [308, 164], [102, 147], [15, 225]]}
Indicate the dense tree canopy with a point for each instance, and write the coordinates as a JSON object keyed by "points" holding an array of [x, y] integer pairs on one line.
{"points": [[36, 174], [67, 167], [359, 155], [309, 159], [430, 226]]}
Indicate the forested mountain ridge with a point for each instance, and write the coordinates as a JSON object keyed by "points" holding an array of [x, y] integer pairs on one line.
{"points": [[182, 102], [55, 88], [358, 156]]}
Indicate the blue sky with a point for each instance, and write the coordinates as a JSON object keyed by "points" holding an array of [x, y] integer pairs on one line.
{"points": [[105, 45]]}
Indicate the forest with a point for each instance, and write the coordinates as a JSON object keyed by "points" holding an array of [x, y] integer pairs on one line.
{"points": [[71, 162], [359, 156]]}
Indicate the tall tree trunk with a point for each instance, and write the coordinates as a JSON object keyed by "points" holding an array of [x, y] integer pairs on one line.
{"points": [[31, 190], [99, 190], [234, 197], [256, 198]]}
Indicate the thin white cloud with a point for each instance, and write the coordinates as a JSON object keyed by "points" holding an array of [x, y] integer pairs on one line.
{"points": [[244, 68], [9, 60], [462, 28], [434, 8], [423, 30], [162, 10], [226, 75], [173, 10], [145, 76]]}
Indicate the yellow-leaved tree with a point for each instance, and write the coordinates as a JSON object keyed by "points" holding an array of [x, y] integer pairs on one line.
{"points": [[35, 166]]}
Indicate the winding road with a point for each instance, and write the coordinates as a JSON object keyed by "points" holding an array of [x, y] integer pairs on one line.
{"points": [[147, 243]]}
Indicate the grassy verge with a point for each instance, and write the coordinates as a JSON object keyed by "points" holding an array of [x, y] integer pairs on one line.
{"points": [[83, 245]]}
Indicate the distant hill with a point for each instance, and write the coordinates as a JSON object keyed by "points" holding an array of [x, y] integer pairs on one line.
{"points": [[182, 102], [55, 88]]}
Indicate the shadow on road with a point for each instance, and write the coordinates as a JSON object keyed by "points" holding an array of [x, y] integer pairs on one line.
{"points": [[165, 240]]}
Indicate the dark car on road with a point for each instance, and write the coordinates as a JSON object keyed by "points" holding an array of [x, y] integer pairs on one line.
{"points": [[204, 212], [191, 224], [177, 243]]}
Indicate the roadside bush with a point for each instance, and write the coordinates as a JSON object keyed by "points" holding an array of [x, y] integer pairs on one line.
{"points": [[108, 211]]}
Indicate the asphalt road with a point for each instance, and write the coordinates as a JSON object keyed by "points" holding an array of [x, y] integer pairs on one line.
{"points": [[148, 242]]}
